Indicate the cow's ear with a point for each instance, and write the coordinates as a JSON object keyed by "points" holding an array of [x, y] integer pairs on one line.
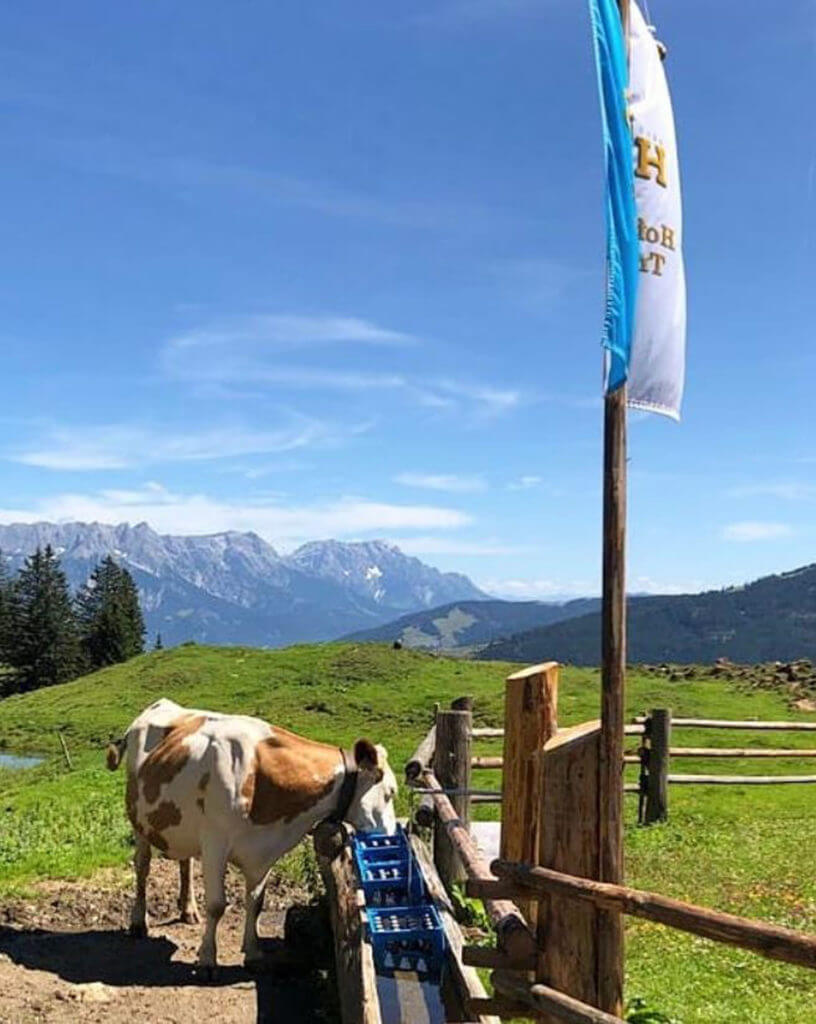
{"points": [[365, 755]]}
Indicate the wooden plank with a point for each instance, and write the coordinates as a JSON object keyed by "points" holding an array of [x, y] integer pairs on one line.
{"points": [[769, 940], [465, 979], [718, 723], [501, 1008], [356, 978], [657, 792], [487, 733], [452, 768], [533, 671], [487, 762], [543, 999], [530, 719], [613, 686], [486, 956], [511, 929], [567, 932], [740, 780], [421, 757]]}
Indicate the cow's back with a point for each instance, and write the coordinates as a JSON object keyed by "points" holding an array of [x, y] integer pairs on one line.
{"points": [[186, 769]]}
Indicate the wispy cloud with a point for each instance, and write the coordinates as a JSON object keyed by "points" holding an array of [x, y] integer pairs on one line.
{"points": [[784, 490], [287, 331], [284, 525], [537, 589], [525, 483], [491, 401], [431, 545], [248, 352], [442, 482], [750, 530], [120, 446], [194, 177]]}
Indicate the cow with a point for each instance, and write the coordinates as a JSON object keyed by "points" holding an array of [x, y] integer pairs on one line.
{"points": [[234, 789]]}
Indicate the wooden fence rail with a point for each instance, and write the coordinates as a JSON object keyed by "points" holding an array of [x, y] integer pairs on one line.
{"points": [[516, 997], [633, 758], [421, 757], [716, 723], [486, 762], [740, 780], [511, 929], [772, 941]]}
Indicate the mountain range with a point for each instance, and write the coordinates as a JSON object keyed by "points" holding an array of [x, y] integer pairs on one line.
{"points": [[773, 618], [235, 588]]}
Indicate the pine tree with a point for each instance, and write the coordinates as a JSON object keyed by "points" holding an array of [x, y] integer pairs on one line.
{"points": [[158, 645], [5, 615], [110, 618], [42, 639], [133, 614]]}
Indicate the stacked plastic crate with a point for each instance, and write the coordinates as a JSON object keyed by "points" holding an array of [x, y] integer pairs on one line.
{"points": [[404, 926]]}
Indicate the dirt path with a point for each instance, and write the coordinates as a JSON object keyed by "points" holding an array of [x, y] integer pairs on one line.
{"points": [[66, 956]]}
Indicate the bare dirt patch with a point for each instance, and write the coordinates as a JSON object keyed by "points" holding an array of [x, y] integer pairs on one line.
{"points": [[65, 955]]}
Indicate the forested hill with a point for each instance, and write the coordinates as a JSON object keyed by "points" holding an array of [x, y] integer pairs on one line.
{"points": [[467, 623], [772, 618]]}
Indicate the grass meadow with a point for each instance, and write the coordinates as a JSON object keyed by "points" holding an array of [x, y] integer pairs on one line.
{"points": [[748, 850]]}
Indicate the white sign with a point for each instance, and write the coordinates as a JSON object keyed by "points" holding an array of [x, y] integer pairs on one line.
{"points": [[658, 355]]}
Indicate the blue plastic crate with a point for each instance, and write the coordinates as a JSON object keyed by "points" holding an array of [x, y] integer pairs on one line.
{"points": [[379, 842], [391, 883], [388, 872], [407, 939]]}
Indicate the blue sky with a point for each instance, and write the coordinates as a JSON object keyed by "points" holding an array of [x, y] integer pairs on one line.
{"points": [[336, 269]]}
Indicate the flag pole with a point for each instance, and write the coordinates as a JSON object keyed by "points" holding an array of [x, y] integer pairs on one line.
{"points": [[613, 681]]}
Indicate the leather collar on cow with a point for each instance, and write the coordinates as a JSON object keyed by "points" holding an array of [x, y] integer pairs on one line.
{"points": [[347, 789]]}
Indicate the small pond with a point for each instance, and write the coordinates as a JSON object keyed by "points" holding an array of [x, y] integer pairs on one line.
{"points": [[18, 761]]}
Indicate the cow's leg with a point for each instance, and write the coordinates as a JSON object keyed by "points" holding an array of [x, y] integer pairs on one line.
{"points": [[255, 889], [214, 852], [141, 864], [187, 901]]}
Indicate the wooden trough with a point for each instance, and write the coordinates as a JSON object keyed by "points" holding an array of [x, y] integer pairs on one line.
{"points": [[365, 997]]}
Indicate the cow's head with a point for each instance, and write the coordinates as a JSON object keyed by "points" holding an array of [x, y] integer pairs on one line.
{"points": [[373, 803]]}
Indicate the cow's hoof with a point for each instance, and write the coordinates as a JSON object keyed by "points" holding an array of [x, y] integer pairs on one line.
{"points": [[190, 917], [255, 964], [138, 931], [207, 972]]}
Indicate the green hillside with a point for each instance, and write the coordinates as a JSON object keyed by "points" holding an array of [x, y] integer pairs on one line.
{"points": [[748, 850], [773, 618]]}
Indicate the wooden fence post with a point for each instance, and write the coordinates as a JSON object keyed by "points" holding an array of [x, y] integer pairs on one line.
{"points": [[567, 931], [657, 797], [530, 719], [452, 769]]}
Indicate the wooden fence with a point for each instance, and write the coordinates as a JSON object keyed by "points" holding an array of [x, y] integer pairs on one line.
{"points": [[655, 753], [542, 894]]}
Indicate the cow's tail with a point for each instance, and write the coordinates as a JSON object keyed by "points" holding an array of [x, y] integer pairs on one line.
{"points": [[114, 753]]}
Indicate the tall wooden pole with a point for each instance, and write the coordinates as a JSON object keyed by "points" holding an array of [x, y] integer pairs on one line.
{"points": [[613, 682], [613, 678]]}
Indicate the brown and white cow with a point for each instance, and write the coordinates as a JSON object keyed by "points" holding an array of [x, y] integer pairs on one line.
{"points": [[233, 789]]}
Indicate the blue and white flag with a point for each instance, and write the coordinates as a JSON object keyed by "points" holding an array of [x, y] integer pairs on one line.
{"points": [[658, 351], [621, 233], [645, 316]]}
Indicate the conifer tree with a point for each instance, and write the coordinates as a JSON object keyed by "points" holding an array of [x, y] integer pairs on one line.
{"points": [[42, 643], [110, 618], [158, 645], [5, 615]]}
